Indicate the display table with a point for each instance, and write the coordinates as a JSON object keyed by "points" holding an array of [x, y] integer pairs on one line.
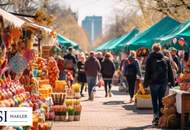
{"points": [[182, 104]]}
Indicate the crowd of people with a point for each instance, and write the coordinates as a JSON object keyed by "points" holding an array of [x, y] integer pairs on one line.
{"points": [[158, 71]]}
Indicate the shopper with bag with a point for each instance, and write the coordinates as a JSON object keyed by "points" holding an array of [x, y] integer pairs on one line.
{"points": [[107, 71], [92, 68], [158, 73], [132, 71]]}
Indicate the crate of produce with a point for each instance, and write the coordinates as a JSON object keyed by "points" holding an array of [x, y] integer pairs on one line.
{"points": [[143, 101]]}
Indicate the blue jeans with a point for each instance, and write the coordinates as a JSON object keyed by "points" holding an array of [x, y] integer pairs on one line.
{"points": [[91, 84], [157, 93]]}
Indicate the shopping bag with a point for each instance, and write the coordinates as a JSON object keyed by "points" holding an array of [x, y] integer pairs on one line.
{"points": [[116, 78], [100, 81]]}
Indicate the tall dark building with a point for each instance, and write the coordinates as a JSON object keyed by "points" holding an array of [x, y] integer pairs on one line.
{"points": [[93, 27]]}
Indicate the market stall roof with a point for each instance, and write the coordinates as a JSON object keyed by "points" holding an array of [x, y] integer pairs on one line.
{"points": [[32, 24], [11, 18], [183, 30], [65, 42], [122, 40], [147, 38], [105, 45]]}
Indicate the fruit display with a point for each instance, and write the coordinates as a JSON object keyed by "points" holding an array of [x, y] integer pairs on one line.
{"points": [[53, 71], [77, 108], [69, 111], [58, 98], [184, 79], [76, 89], [41, 62], [45, 90], [60, 86]]}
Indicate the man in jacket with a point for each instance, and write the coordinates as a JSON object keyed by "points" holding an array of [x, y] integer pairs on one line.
{"points": [[92, 68], [158, 74]]}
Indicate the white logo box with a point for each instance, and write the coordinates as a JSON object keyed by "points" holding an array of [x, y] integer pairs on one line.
{"points": [[15, 116]]}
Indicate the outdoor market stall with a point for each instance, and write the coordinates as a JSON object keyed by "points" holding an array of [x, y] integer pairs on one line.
{"points": [[147, 38], [27, 80]]}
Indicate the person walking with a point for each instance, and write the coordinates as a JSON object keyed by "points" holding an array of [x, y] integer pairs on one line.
{"points": [[132, 71], [92, 68], [81, 73], [107, 71], [70, 66], [158, 73]]}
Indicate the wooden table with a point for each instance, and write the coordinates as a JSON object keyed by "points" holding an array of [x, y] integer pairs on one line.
{"points": [[182, 105]]}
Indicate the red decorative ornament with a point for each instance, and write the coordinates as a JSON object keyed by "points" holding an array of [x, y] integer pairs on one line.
{"points": [[181, 41]]}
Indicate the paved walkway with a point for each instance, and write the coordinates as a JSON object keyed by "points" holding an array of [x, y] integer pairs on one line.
{"points": [[109, 114]]}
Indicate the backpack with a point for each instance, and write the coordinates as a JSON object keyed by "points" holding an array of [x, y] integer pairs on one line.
{"points": [[159, 69], [131, 69]]}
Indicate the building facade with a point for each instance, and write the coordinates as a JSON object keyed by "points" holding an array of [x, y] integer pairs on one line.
{"points": [[93, 27]]}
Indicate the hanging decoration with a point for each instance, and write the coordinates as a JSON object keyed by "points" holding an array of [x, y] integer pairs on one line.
{"points": [[181, 41], [15, 34], [175, 40], [17, 64]]}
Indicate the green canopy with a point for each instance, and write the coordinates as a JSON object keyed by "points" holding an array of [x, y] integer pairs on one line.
{"points": [[64, 42], [183, 30], [148, 37], [116, 44], [122, 40], [105, 45]]}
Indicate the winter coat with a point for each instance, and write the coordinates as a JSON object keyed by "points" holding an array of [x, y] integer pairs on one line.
{"points": [[177, 61], [81, 72], [132, 67], [92, 67], [149, 71], [107, 69]]}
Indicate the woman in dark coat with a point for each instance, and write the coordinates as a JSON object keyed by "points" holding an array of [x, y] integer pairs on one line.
{"points": [[107, 70], [131, 71], [81, 73]]}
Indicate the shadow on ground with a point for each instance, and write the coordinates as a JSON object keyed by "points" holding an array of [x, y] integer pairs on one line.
{"points": [[131, 107], [148, 127], [113, 103], [137, 128], [116, 92]]}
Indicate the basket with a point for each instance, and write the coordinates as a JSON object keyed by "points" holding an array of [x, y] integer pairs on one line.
{"points": [[169, 100], [58, 98], [143, 101]]}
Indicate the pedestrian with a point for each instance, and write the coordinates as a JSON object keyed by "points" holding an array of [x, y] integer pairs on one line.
{"points": [[172, 62], [81, 73], [70, 65], [99, 56], [158, 73], [60, 64], [107, 71], [132, 71], [92, 68], [176, 59]]}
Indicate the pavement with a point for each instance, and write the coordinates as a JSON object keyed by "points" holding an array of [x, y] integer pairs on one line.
{"points": [[113, 113]]}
